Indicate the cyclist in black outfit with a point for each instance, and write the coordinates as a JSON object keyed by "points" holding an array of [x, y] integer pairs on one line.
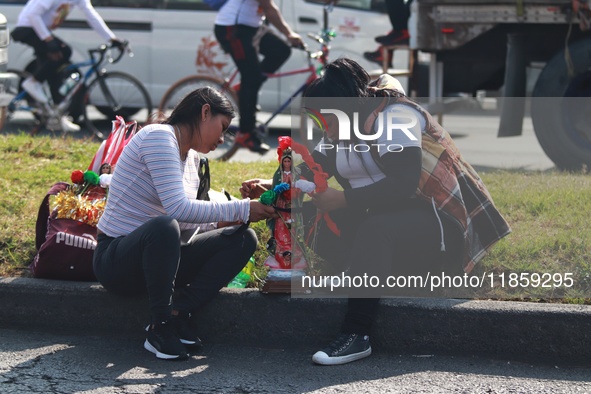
{"points": [[240, 30]]}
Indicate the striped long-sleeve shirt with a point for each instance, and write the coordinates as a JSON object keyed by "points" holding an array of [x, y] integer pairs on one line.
{"points": [[148, 182]]}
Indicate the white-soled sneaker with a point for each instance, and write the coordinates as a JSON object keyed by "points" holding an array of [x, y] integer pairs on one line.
{"points": [[35, 89], [68, 126], [163, 341], [344, 349], [185, 329]]}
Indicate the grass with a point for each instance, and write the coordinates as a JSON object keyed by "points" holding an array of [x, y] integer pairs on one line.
{"points": [[548, 212]]}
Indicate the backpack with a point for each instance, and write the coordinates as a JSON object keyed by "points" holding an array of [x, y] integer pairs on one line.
{"points": [[215, 4], [65, 247]]}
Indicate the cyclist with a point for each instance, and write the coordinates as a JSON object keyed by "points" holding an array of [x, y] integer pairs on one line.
{"points": [[240, 30], [33, 28]]}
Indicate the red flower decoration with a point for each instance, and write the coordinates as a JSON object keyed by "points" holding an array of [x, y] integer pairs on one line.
{"points": [[284, 142], [279, 154], [77, 177]]}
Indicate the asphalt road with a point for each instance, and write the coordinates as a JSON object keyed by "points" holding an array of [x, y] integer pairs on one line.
{"points": [[66, 362], [473, 128], [45, 362]]}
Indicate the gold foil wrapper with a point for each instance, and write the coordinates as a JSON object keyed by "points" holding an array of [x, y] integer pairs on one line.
{"points": [[69, 205]]}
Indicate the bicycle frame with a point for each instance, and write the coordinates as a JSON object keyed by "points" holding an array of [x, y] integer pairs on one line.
{"points": [[313, 74], [93, 63]]}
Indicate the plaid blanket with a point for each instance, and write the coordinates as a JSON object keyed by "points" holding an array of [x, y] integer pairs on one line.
{"points": [[451, 183], [458, 191]]}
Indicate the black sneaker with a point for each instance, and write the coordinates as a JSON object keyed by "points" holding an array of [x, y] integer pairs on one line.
{"points": [[164, 342], [401, 37], [183, 325], [252, 142], [344, 349], [377, 57]]}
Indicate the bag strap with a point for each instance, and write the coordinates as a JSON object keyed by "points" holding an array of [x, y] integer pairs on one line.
{"points": [[204, 180], [111, 148], [43, 215], [123, 132]]}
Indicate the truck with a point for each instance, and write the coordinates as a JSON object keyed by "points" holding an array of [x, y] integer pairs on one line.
{"points": [[500, 45]]}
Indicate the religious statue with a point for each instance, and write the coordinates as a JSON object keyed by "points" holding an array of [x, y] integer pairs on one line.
{"points": [[286, 243], [285, 254]]}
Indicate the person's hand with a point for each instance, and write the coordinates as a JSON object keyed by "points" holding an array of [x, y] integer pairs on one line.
{"points": [[296, 40], [117, 43], [253, 188], [259, 211], [329, 199]]}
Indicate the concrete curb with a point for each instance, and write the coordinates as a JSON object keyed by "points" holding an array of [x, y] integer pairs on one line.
{"points": [[508, 330]]}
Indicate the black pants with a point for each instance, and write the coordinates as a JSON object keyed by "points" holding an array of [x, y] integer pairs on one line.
{"points": [[398, 12], [238, 42], [46, 69], [404, 241], [151, 259]]}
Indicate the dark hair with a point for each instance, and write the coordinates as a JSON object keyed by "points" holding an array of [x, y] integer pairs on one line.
{"points": [[105, 165], [188, 110], [342, 77]]}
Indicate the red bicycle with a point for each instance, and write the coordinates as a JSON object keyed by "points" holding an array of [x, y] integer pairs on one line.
{"points": [[229, 84]]}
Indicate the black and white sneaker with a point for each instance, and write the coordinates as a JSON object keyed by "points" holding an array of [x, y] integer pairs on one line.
{"points": [[185, 329], [163, 341], [344, 349]]}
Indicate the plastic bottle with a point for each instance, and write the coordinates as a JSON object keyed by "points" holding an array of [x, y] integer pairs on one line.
{"points": [[241, 280], [69, 83]]}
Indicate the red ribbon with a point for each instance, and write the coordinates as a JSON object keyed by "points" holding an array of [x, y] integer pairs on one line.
{"points": [[320, 180]]}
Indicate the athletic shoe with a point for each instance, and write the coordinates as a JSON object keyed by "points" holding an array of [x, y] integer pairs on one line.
{"points": [[252, 142], [164, 342], [376, 57], [185, 329], [344, 349], [68, 126], [394, 38], [35, 89]]}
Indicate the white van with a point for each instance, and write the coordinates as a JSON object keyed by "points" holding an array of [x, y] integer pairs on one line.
{"points": [[165, 34]]}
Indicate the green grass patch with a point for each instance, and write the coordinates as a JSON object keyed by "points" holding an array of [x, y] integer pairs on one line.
{"points": [[549, 216], [548, 212]]}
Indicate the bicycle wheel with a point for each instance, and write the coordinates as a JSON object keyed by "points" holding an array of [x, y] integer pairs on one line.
{"points": [[115, 93], [7, 112], [186, 85]]}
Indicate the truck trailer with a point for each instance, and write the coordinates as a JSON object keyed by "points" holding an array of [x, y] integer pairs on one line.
{"points": [[489, 46]]}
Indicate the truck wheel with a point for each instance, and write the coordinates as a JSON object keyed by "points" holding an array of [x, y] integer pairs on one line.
{"points": [[561, 109]]}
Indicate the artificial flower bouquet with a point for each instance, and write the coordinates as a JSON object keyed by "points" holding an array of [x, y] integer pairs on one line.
{"points": [[85, 199]]}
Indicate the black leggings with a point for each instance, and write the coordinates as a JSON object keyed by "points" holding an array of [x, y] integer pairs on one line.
{"points": [[182, 278], [238, 42], [406, 241], [398, 12], [46, 69]]}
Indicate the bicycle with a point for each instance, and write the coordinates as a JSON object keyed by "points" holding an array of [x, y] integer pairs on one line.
{"points": [[228, 85], [110, 93]]}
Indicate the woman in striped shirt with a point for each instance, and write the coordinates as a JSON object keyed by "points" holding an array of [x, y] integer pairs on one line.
{"points": [[152, 197]]}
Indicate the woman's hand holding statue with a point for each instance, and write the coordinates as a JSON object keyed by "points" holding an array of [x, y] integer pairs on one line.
{"points": [[329, 200], [259, 211]]}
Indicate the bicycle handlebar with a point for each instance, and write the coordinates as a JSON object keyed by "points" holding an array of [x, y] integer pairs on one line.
{"points": [[316, 38], [102, 50]]}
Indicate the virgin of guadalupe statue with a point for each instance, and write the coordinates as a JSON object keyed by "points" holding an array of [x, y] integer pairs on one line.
{"points": [[283, 246]]}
